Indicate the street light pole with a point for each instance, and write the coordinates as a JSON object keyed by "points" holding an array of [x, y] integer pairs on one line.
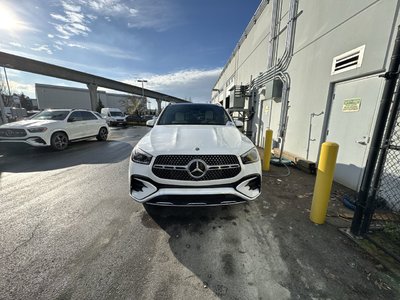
{"points": [[142, 81]]}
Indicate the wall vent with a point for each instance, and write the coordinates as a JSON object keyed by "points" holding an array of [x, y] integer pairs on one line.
{"points": [[348, 61]]}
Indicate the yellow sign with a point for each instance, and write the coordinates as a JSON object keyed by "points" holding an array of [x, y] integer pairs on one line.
{"points": [[351, 105], [266, 109]]}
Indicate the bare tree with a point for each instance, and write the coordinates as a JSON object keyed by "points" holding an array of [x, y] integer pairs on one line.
{"points": [[134, 105]]}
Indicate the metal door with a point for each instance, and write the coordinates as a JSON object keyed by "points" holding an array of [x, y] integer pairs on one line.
{"points": [[351, 120]]}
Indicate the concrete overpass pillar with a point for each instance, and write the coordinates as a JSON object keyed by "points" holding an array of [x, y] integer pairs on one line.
{"points": [[158, 106], [3, 116], [93, 95]]}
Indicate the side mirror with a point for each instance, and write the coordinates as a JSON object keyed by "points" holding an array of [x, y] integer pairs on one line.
{"points": [[150, 123], [238, 124]]}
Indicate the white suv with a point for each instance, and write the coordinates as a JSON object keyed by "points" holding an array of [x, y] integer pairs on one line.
{"points": [[194, 156], [55, 128]]}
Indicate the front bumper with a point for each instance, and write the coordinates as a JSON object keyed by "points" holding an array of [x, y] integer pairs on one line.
{"points": [[145, 187], [35, 141]]}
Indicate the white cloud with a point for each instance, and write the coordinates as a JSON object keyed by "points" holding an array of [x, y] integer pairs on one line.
{"points": [[107, 7], [71, 7], [15, 44], [191, 84], [109, 51], [134, 12], [74, 45], [51, 36], [72, 22], [91, 17], [157, 14], [59, 18], [18, 87], [58, 47], [42, 48]]}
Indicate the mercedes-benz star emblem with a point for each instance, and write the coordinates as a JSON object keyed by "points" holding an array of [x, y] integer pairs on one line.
{"points": [[197, 168]]}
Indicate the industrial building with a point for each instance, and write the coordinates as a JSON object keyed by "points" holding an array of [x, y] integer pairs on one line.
{"points": [[311, 71], [52, 96]]}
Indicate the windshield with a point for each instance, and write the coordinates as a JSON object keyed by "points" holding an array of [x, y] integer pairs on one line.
{"points": [[116, 114], [51, 115], [194, 114]]}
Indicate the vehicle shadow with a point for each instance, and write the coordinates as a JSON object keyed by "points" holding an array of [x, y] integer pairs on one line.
{"points": [[22, 158], [213, 243]]}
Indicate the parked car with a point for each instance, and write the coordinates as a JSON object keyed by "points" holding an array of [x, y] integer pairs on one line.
{"points": [[114, 116], [55, 128], [148, 117], [31, 113], [135, 119], [194, 155]]}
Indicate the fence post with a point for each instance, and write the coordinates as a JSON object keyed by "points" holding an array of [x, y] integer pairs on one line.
{"points": [[323, 182]]}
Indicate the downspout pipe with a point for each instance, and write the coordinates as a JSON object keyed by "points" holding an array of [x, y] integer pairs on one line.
{"points": [[278, 69], [284, 61], [273, 30]]}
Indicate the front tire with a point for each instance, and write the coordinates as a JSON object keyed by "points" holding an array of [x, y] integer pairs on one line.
{"points": [[59, 141], [103, 134]]}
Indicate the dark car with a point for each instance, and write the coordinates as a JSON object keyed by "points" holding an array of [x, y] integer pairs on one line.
{"points": [[135, 119], [148, 117]]}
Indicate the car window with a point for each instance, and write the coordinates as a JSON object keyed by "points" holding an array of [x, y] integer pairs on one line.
{"points": [[193, 114], [98, 115], [51, 115], [86, 116], [116, 114], [77, 115]]}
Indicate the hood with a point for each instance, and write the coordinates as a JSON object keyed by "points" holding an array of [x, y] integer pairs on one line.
{"points": [[28, 123], [184, 139]]}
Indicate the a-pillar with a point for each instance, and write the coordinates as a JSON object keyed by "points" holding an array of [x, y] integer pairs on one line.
{"points": [[158, 106], [93, 95]]}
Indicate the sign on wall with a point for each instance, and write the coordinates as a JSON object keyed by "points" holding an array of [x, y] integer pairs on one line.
{"points": [[351, 105]]}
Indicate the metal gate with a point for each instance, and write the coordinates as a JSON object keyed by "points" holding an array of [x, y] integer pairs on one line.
{"points": [[378, 202]]}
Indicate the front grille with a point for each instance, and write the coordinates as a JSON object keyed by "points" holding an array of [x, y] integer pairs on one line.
{"points": [[183, 160], [12, 132], [175, 167]]}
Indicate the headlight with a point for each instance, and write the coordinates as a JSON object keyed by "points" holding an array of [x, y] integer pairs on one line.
{"points": [[141, 157], [250, 156], [37, 129]]}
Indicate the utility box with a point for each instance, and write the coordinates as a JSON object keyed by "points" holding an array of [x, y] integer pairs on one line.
{"points": [[237, 96], [273, 90]]}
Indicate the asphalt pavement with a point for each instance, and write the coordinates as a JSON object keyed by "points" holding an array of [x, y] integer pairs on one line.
{"points": [[69, 230]]}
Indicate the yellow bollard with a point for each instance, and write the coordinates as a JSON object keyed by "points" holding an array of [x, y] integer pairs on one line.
{"points": [[323, 182], [267, 149]]}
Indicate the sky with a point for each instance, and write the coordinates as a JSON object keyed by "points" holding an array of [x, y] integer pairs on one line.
{"points": [[178, 46]]}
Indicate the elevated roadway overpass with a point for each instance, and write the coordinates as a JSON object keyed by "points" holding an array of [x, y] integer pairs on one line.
{"points": [[92, 81]]}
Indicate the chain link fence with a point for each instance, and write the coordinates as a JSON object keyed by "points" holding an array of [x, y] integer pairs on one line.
{"points": [[389, 186], [385, 223]]}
